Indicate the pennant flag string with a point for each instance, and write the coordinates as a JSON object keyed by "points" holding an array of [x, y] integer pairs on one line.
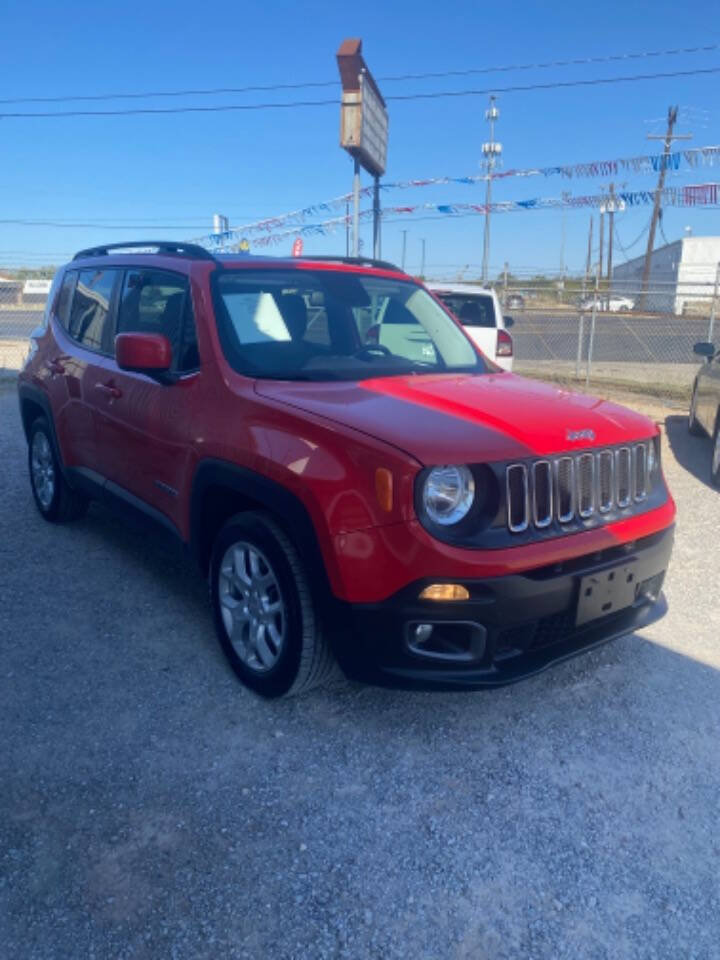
{"points": [[692, 195], [693, 158]]}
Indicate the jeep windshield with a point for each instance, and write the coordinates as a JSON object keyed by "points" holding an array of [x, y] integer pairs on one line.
{"points": [[330, 325]]}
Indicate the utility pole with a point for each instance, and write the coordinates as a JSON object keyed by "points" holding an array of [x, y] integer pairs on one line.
{"points": [[581, 318], [588, 262], [422, 259], [565, 197], [668, 138], [347, 229], [402, 262], [491, 151], [505, 282], [601, 239], [611, 227], [561, 283]]}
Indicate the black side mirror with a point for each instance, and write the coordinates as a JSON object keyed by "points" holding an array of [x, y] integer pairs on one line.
{"points": [[704, 349], [508, 322]]}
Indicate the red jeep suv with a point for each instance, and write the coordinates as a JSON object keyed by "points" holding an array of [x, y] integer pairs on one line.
{"points": [[396, 502]]}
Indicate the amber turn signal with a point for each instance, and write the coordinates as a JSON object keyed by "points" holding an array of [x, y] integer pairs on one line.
{"points": [[445, 591], [384, 488]]}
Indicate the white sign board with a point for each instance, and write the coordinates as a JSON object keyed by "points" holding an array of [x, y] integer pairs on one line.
{"points": [[37, 287], [364, 127]]}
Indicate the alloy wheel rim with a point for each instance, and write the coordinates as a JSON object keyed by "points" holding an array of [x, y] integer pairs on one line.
{"points": [[43, 470], [252, 606]]}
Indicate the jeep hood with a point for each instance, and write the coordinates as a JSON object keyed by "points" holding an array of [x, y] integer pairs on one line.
{"points": [[459, 418]]}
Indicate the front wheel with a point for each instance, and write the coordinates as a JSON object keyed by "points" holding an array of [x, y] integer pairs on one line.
{"points": [[264, 613]]}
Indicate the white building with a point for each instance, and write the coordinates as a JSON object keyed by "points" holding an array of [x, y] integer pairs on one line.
{"points": [[682, 276]]}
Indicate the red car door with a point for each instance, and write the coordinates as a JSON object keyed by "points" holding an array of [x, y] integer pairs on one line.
{"points": [[145, 427], [80, 340]]}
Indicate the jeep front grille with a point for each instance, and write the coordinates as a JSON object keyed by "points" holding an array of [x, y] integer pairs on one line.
{"points": [[623, 471], [564, 488], [585, 485], [517, 497], [542, 493]]}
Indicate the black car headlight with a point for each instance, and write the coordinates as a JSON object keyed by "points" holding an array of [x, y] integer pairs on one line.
{"points": [[448, 494]]}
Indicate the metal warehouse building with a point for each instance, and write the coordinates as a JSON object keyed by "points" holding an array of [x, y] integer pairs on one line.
{"points": [[682, 276]]}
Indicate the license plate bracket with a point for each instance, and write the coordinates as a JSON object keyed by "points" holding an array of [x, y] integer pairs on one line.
{"points": [[606, 592]]}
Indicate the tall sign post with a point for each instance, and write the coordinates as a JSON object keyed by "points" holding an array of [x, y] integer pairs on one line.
{"points": [[363, 132]]}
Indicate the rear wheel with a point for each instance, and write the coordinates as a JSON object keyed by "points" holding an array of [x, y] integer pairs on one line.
{"points": [[54, 499], [693, 423], [715, 462], [263, 609]]}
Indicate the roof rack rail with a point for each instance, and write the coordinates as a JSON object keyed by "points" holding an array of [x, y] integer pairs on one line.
{"points": [[360, 261], [190, 250]]}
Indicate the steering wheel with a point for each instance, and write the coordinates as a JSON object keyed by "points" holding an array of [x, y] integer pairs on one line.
{"points": [[372, 348]]}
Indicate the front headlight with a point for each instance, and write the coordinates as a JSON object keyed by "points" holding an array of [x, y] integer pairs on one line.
{"points": [[448, 494]]}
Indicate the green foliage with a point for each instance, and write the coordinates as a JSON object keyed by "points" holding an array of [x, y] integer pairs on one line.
{"points": [[28, 273]]}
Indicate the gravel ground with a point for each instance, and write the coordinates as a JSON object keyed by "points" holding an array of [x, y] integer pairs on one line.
{"points": [[151, 808]]}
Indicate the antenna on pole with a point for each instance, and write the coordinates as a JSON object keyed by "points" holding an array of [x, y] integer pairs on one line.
{"points": [[491, 153]]}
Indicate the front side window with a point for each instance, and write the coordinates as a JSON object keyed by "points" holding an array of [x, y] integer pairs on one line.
{"points": [[331, 325], [91, 309], [155, 301], [472, 310]]}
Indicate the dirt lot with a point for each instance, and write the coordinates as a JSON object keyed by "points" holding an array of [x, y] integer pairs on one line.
{"points": [[151, 808]]}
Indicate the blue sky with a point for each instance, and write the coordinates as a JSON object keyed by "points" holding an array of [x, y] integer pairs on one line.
{"points": [[178, 170]]}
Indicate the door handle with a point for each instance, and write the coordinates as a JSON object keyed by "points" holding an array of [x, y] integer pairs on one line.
{"points": [[55, 365], [109, 390]]}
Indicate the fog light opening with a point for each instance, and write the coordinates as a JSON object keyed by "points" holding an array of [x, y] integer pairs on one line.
{"points": [[445, 592], [456, 640]]}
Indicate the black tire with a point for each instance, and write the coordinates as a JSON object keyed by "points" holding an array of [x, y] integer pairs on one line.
{"points": [[64, 504], [305, 659], [715, 453], [694, 426]]}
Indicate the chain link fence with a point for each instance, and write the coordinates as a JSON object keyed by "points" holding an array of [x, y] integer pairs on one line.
{"points": [[635, 341], [22, 303]]}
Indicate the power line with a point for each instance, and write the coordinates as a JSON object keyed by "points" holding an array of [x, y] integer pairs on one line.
{"points": [[93, 225], [630, 245], [552, 86], [257, 88], [582, 61], [519, 88]]}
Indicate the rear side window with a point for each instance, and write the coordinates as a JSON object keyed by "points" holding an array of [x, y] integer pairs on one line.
{"points": [[156, 301], [64, 300], [89, 317], [471, 311]]}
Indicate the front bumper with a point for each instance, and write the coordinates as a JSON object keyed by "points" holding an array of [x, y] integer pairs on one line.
{"points": [[512, 626]]}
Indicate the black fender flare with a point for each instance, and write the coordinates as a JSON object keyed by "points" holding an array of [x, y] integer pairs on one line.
{"points": [[29, 394], [258, 492]]}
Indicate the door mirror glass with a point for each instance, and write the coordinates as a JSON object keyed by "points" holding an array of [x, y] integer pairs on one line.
{"points": [[704, 349], [149, 353], [508, 322]]}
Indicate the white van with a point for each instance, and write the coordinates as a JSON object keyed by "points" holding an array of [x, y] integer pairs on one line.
{"points": [[479, 311]]}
